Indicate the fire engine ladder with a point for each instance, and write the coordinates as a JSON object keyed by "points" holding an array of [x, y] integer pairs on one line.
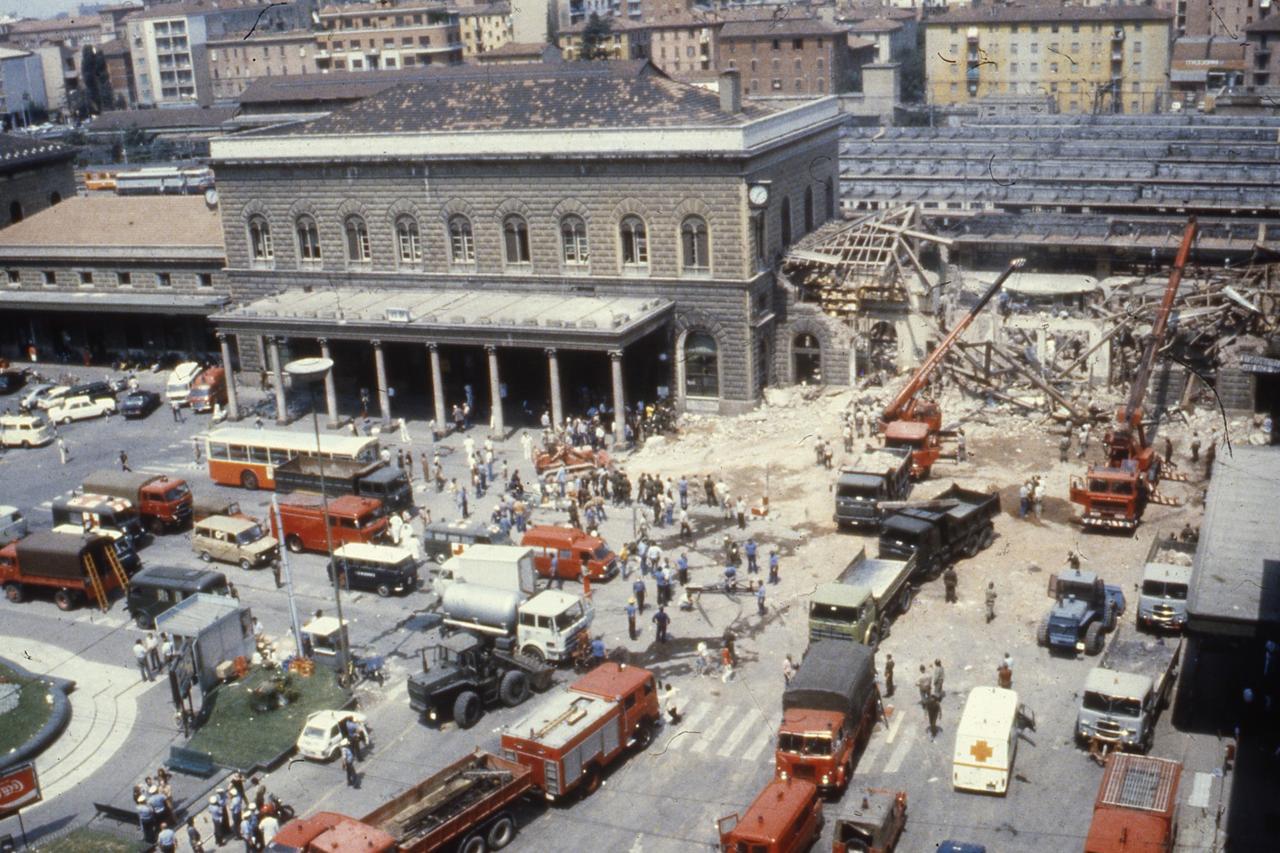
{"points": [[118, 569], [572, 714], [95, 581]]}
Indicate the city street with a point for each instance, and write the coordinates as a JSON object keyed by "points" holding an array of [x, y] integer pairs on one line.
{"points": [[712, 763]]}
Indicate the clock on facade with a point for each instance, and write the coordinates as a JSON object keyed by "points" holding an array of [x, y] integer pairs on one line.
{"points": [[758, 195]]}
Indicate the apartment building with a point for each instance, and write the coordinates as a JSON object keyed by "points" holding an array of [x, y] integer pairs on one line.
{"points": [[364, 36], [803, 57], [235, 62], [484, 27]]}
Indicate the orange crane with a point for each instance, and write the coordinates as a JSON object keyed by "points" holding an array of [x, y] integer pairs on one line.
{"points": [[914, 423], [1114, 495]]}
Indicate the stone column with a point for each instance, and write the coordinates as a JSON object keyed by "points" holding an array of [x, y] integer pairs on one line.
{"points": [[495, 391], [437, 388], [619, 399], [557, 405], [330, 392], [380, 367], [277, 375], [233, 405]]}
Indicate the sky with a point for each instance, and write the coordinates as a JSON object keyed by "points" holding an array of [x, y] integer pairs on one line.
{"points": [[38, 8]]}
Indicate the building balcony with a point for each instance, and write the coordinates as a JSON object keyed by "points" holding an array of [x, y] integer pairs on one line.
{"points": [[1117, 56], [1118, 35]]}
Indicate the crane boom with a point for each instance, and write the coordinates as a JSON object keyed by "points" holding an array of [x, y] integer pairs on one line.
{"points": [[913, 386], [1131, 414]]}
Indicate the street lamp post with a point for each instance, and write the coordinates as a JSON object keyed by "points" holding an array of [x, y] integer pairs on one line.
{"points": [[312, 371]]}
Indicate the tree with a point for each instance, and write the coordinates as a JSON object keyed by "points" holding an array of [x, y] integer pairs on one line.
{"points": [[96, 81], [596, 36]]}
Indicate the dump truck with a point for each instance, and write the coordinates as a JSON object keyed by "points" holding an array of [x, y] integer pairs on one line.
{"points": [[1124, 695], [163, 503], [957, 523], [1166, 577], [467, 806], [862, 601], [874, 825], [469, 674], [1137, 805], [73, 568], [547, 627], [378, 480], [1084, 610], [875, 476], [573, 736], [828, 710]]}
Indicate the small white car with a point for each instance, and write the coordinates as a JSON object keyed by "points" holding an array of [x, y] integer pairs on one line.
{"points": [[80, 408], [53, 396], [321, 738]]}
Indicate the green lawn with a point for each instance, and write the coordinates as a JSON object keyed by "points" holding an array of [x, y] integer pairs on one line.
{"points": [[90, 841], [33, 711], [238, 736]]}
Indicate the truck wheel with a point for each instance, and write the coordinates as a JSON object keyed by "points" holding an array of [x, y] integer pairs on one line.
{"points": [[873, 638], [294, 543], [466, 709], [206, 556], [1111, 620], [13, 592], [591, 780], [439, 558], [514, 688], [474, 844], [501, 832], [1042, 633], [535, 653], [143, 621], [1093, 637], [383, 591], [908, 595], [970, 548], [157, 527], [249, 480], [644, 735], [65, 599], [245, 564], [988, 536]]}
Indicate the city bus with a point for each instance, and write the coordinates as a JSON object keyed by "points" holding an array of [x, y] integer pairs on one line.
{"points": [[248, 457]]}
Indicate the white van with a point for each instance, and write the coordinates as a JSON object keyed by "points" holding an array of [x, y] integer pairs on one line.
{"points": [[178, 388], [13, 524], [986, 741], [25, 430]]}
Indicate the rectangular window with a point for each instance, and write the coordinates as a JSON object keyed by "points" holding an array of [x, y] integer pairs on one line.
{"points": [[1035, 67], [86, 278], [124, 279], [50, 277], [164, 279], [1013, 68], [797, 44], [205, 279], [15, 277]]}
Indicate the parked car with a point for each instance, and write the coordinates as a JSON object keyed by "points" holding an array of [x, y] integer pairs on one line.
{"points": [[11, 381], [32, 430], [95, 389], [54, 395], [36, 393], [79, 409], [321, 739], [139, 404]]}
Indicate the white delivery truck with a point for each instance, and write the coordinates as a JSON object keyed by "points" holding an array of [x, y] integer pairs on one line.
{"points": [[178, 388]]}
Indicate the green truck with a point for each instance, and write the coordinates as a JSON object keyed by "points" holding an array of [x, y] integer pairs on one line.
{"points": [[861, 602]]}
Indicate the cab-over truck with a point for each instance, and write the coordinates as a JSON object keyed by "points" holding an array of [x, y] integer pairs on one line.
{"points": [[828, 711], [467, 806], [860, 604], [1123, 696], [1137, 806], [73, 568], [958, 523], [1166, 577], [882, 474]]}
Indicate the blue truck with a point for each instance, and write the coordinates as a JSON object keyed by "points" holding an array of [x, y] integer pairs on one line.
{"points": [[1085, 610]]}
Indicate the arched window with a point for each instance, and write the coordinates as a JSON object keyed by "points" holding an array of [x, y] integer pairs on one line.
{"points": [[260, 248], [786, 222], [15, 211], [831, 198], [408, 240], [694, 254], [462, 245], [357, 240], [55, 197], [515, 239], [701, 366], [809, 213], [635, 242], [573, 240], [308, 240]]}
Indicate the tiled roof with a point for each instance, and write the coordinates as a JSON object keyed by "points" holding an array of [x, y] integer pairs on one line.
{"points": [[616, 25], [100, 221], [484, 9], [535, 96], [43, 25], [778, 27], [17, 150], [193, 7], [1048, 13], [334, 86], [351, 8], [166, 119], [875, 25], [520, 48]]}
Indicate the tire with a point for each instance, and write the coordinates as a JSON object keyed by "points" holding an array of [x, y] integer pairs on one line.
{"points": [[514, 688], [383, 591], [908, 595], [1112, 618], [466, 709], [13, 592], [590, 781], [534, 653], [206, 556], [144, 622], [1093, 638], [1042, 633], [65, 599], [988, 536], [873, 638], [249, 480], [439, 558], [644, 735], [156, 526], [26, 445], [473, 844], [294, 543], [66, 420], [970, 546], [501, 832]]}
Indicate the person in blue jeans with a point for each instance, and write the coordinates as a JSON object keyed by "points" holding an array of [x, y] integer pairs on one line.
{"points": [[750, 549]]}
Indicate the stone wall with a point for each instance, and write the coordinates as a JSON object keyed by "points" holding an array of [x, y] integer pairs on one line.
{"points": [[34, 189]]}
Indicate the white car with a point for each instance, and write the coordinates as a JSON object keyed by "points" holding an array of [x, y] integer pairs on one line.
{"points": [[53, 396], [321, 738], [34, 394], [79, 409]]}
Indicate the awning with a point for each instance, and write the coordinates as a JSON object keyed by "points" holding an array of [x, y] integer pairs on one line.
{"points": [[113, 302], [491, 317]]}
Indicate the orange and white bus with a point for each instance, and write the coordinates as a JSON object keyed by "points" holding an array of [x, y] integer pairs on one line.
{"points": [[248, 457]]}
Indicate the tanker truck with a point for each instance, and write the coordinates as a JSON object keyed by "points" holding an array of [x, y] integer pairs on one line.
{"points": [[546, 627]]}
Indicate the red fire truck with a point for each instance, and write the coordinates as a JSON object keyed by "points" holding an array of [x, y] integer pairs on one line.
{"points": [[572, 737]]}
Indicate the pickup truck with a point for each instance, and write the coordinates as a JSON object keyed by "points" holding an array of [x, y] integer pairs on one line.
{"points": [[466, 806], [377, 480], [1166, 576], [860, 603], [875, 476], [1123, 696], [957, 523]]}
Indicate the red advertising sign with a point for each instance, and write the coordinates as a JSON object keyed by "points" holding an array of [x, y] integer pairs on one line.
{"points": [[18, 787]]}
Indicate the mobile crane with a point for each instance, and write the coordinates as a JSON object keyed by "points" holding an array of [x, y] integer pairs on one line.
{"points": [[1114, 495], [915, 423]]}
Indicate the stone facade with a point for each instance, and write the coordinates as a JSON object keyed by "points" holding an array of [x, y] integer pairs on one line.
{"points": [[29, 187]]}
